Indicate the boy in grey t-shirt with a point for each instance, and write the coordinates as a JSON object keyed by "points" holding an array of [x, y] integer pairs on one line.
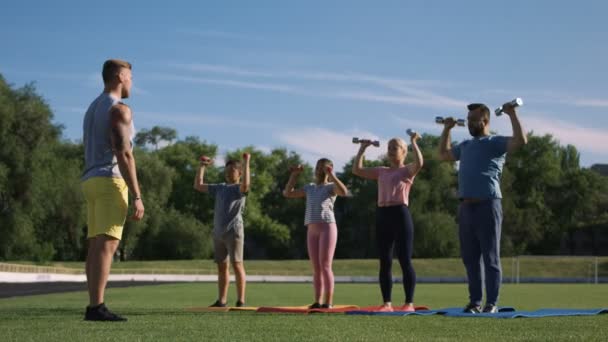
{"points": [[228, 230]]}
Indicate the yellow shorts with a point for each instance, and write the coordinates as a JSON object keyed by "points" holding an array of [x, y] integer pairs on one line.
{"points": [[107, 203]]}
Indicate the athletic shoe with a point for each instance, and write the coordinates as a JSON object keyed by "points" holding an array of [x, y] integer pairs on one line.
{"points": [[101, 313], [314, 305], [218, 304], [239, 304], [490, 308], [406, 308], [472, 308], [326, 306]]}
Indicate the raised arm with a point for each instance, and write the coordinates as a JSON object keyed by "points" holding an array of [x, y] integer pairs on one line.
{"points": [[339, 187], [199, 184], [445, 142], [519, 137], [120, 125], [289, 191], [358, 169], [416, 166], [246, 179]]}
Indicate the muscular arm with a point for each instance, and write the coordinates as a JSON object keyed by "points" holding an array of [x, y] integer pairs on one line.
{"points": [[519, 137], [445, 145], [120, 124]]}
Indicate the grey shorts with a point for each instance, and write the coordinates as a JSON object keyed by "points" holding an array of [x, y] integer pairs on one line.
{"points": [[229, 246]]}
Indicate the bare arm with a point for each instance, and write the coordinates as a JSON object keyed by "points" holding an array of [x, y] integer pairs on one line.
{"points": [[519, 137], [445, 143], [339, 187], [289, 191], [246, 180], [416, 166], [358, 169], [199, 184], [120, 124]]}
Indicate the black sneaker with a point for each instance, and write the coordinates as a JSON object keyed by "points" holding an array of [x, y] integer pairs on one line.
{"points": [[326, 306], [101, 313], [239, 304], [490, 308], [218, 304], [314, 305], [472, 308]]}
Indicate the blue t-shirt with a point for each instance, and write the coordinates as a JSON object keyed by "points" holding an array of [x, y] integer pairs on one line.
{"points": [[229, 206], [481, 161]]}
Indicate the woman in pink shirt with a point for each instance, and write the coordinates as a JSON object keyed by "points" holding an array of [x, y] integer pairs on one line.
{"points": [[394, 226]]}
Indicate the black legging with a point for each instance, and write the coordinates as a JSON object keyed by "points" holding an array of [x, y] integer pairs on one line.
{"points": [[394, 227]]}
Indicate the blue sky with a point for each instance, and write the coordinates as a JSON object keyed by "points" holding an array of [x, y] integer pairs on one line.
{"points": [[310, 75]]}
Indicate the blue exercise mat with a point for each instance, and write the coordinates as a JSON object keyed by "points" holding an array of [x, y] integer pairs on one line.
{"points": [[504, 312]]}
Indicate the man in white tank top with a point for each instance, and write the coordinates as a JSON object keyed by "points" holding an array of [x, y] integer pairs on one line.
{"points": [[108, 177]]}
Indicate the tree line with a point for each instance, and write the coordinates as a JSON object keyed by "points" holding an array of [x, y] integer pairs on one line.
{"points": [[547, 195]]}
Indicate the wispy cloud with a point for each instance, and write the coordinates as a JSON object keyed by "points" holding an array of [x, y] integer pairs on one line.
{"points": [[385, 90], [584, 138], [202, 119], [602, 103], [314, 143], [223, 82]]}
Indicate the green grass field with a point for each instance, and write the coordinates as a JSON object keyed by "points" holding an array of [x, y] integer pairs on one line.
{"points": [[157, 313], [445, 267]]}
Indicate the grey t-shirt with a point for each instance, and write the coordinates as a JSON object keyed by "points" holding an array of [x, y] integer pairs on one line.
{"points": [[320, 200], [229, 206]]}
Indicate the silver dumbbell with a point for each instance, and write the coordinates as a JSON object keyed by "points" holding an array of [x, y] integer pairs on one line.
{"points": [[374, 142], [515, 103], [440, 120]]}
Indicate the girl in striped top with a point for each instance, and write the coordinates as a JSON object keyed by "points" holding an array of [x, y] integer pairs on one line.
{"points": [[322, 232]]}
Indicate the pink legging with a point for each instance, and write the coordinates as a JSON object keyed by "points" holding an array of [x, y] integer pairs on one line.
{"points": [[322, 238]]}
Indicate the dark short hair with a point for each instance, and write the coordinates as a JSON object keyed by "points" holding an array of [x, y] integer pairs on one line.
{"points": [[112, 67], [484, 109], [234, 162]]}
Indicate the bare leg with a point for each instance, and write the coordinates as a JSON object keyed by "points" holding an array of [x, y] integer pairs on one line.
{"points": [[223, 280], [98, 264], [239, 274], [327, 247], [313, 253]]}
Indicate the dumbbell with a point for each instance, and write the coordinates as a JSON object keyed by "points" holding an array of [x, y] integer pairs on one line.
{"points": [[374, 142], [515, 103], [440, 120], [205, 159]]}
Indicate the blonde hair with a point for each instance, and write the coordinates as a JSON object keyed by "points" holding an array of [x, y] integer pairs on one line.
{"points": [[112, 67], [400, 142]]}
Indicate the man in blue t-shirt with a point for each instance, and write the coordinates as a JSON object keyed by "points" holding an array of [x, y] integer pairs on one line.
{"points": [[480, 211]]}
